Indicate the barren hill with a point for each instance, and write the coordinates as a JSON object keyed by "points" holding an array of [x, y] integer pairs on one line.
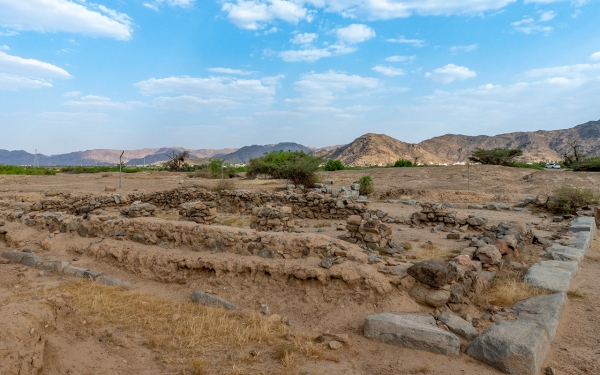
{"points": [[540, 145], [244, 154], [380, 149]]}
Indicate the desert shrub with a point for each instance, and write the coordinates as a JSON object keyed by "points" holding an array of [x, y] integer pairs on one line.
{"points": [[176, 161], [224, 185], [567, 199], [496, 156], [297, 166], [334, 165], [366, 185], [587, 165], [13, 169], [402, 163], [214, 167]]}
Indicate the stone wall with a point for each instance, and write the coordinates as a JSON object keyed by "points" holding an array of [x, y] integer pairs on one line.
{"points": [[368, 231]]}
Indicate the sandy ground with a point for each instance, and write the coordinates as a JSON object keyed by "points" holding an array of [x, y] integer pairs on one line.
{"points": [[76, 348]]}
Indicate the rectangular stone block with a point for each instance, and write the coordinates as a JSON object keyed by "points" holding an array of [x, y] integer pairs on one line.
{"points": [[30, 260], [74, 271], [13, 256], [52, 265], [545, 310], [553, 279], [415, 331]]}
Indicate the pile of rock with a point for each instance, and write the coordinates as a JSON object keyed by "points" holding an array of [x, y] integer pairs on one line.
{"points": [[369, 231], [199, 212], [275, 219], [433, 214], [139, 209]]}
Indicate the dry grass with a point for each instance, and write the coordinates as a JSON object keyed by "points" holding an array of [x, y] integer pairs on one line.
{"points": [[238, 221], [506, 290], [224, 185], [177, 332], [425, 369], [432, 251], [576, 293]]}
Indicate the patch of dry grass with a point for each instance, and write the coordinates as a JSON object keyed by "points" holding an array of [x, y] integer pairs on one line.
{"points": [[425, 369], [508, 289], [224, 185], [432, 251], [576, 293], [237, 221]]}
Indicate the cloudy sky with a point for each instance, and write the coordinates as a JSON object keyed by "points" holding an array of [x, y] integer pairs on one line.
{"points": [[126, 74]]}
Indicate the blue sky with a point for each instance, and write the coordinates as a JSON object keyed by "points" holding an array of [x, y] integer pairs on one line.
{"points": [[121, 74]]}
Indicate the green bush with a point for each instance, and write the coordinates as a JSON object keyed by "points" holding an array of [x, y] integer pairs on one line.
{"points": [[99, 169], [496, 156], [297, 166], [538, 166], [402, 163], [13, 169], [567, 199], [587, 165], [334, 165], [366, 185]]}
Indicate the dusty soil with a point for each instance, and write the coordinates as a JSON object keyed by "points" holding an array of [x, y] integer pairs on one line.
{"points": [[41, 331]]}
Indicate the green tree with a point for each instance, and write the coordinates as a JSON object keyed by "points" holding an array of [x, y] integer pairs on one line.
{"points": [[401, 163], [334, 165], [177, 160], [215, 167], [496, 156], [297, 166]]}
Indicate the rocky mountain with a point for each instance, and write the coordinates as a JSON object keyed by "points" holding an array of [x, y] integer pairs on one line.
{"points": [[380, 149], [104, 157], [541, 145], [244, 154]]}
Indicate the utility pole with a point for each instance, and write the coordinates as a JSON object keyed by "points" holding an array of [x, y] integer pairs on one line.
{"points": [[121, 170], [468, 176], [36, 162]]}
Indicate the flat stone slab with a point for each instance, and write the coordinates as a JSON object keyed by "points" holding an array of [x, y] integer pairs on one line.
{"points": [[30, 260], [559, 252], [459, 326], [415, 331], [517, 348], [114, 281], [212, 300], [52, 265], [545, 310], [583, 242], [553, 279], [568, 265], [583, 224], [74, 271], [14, 256]]}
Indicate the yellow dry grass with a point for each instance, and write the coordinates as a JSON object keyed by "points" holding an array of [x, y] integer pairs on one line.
{"points": [[235, 221], [507, 289], [432, 251]]}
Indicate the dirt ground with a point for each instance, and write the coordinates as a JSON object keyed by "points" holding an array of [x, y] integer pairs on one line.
{"points": [[49, 332]]}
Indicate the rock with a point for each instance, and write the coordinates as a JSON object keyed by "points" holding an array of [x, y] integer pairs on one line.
{"points": [[321, 230], [265, 309], [211, 300], [341, 337], [138, 237], [335, 345], [476, 221], [373, 259], [397, 270], [549, 371], [459, 326], [14, 256], [30, 260], [583, 224], [553, 279], [114, 281], [564, 253], [266, 253], [545, 310], [502, 246], [409, 202], [52, 265], [415, 331], [430, 297], [453, 236], [74, 271], [273, 318], [518, 347], [488, 254], [465, 261], [327, 263], [430, 272]]}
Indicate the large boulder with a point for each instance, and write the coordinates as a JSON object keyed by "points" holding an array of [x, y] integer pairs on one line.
{"points": [[553, 279], [411, 330], [431, 272], [517, 348], [545, 310], [430, 297]]}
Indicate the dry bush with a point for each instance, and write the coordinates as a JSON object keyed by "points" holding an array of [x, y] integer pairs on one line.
{"points": [[202, 173], [508, 289], [105, 175], [224, 185], [425, 369], [576, 293], [240, 222]]}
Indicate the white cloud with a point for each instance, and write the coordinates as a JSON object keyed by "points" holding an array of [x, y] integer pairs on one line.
{"points": [[255, 14], [355, 33], [101, 103], [546, 15], [469, 48], [595, 56], [193, 103], [450, 73], [272, 81], [402, 39], [314, 54], [529, 26], [190, 92], [400, 58], [319, 89], [304, 38], [155, 5], [65, 16], [71, 94], [572, 71], [23, 73], [229, 71], [388, 71], [13, 82], [8, 33], [5, 48]]}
